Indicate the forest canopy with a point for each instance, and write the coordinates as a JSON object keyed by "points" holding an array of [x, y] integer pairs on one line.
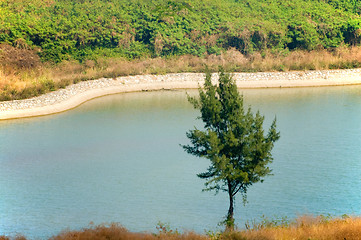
{"points": [[88, 29]]}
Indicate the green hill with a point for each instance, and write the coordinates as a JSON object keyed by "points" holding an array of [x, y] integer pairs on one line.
{"points": [[88, 29], [49, 44]]}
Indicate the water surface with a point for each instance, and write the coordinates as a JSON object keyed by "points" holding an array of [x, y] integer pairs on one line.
{"points": [[118, 159]]}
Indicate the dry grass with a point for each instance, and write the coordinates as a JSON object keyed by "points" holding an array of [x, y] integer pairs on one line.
{"points": [[303, 228], [22, 75], [15, 238], [232, 60], [115, 232]]}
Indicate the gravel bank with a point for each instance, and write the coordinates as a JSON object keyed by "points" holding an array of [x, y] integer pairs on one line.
{"points": [[74, 95]]}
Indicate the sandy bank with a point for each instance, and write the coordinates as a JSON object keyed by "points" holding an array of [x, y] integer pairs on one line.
{"points": [[74, 95]]}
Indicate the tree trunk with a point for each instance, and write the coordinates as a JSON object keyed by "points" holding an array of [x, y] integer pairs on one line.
{"points": [[230, 219]]}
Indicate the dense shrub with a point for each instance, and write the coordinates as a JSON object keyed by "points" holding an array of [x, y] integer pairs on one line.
{"points": [[64, 29]]}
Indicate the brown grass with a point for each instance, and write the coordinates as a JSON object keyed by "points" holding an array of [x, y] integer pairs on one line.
{"points": [[19, 237], [23, 75], [303, 228], [115, 231]]}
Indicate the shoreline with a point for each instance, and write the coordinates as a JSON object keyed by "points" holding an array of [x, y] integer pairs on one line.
{"points": [[76, 94]]}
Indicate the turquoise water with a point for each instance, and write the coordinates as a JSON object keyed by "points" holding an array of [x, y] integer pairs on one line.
{"points": [[118, 159]]}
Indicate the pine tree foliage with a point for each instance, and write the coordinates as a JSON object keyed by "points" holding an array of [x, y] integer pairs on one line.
{"points": [[233, 140]]}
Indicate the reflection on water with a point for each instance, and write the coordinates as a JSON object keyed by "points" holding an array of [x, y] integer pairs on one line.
{"points": [[118, 159]]}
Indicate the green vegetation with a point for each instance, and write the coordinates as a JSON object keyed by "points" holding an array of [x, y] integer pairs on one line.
{"points": [[48, 44], [233, 141], [88, 29]]}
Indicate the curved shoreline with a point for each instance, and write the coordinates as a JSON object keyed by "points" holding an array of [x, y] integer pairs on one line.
{"points": [[74, 95]]}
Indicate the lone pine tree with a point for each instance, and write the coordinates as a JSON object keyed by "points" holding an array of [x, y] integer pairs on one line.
{"points": [[233, 140]]}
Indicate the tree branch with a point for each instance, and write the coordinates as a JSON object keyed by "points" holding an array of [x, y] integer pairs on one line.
{"points": [[239, 188]]}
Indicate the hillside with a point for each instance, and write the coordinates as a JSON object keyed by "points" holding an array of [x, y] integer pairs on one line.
{"points": [[86, 29], [49, 44]]}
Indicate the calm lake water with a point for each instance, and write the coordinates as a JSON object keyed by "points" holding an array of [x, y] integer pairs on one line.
{"points": [[118, 159]]}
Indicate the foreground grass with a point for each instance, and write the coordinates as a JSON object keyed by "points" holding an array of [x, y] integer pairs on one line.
{"points": [[23, 75], [302, 228]]}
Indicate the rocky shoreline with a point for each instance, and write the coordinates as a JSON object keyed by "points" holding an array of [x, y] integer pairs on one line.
{"points": [[86, 90]]}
